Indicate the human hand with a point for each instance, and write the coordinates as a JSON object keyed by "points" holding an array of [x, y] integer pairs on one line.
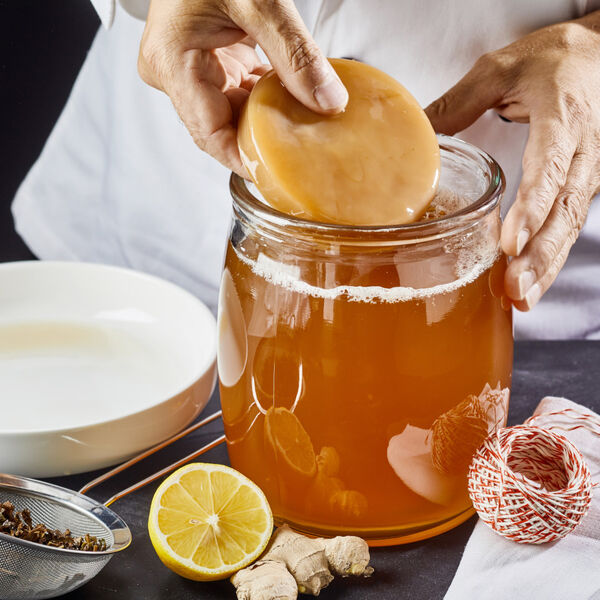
{"points": [[550, 79], [202, 54]]}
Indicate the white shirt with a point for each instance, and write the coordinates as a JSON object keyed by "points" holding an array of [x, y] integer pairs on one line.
{"points": [[120, 180]]}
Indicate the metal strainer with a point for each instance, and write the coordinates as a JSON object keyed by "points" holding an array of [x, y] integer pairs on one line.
{"points": [[31, 571]]}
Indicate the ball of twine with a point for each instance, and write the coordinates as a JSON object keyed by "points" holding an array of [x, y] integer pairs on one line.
{"points": [[459, 432], [456, 435], [529, 484]]}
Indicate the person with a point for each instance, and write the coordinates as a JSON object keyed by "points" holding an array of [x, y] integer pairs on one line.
{"points": [[121, 181]]}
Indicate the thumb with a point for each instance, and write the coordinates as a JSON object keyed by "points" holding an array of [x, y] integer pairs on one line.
{"points": [[295, 56], [464, 103]]}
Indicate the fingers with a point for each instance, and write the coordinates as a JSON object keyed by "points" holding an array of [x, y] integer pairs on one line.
{"points": [[295, 56], [238, 61], [532, 272], [546, 162], [208, 90], [539, 288], [202, 55], [237, 97], [249, 82], [208, 114], [481, 88]]}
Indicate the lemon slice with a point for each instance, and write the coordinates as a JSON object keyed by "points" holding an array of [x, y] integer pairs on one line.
{"points": [[207, 521], [286, 434]]}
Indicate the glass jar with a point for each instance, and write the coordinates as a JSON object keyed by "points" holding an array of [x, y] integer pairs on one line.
{"points": [[361, 367]]}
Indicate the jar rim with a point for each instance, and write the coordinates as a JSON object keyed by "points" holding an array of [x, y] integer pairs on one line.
{"points": [[246, 203]]}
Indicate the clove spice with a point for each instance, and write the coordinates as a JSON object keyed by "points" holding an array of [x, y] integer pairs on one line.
{"points": [[19, 524]]}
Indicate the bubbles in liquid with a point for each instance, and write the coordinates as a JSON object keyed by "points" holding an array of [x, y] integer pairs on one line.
{"points": [[444, 203], [472, 254]]}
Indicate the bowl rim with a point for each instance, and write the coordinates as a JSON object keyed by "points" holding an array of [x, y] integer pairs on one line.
{"points": [[202, 369]]}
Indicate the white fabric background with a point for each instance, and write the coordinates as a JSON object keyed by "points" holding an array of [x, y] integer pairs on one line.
{"points": [[120, 180]]}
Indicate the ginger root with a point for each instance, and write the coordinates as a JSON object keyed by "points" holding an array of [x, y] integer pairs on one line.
{"points": [[304, 558], [347, 555], [349, 503], [328, 490], [265, 580], [295, 563], [328, 461]]}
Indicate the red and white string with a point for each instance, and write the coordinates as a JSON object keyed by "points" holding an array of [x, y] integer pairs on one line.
{"points": [[531, 484]]}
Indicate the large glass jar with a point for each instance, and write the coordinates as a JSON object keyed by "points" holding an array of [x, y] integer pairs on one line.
{"points": [[361, 367]]}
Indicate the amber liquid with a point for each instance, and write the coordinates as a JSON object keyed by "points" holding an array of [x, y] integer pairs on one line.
{"points": [[389, 393]]}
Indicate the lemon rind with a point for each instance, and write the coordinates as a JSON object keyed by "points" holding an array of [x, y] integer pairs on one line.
{"points": [[183, 564]]}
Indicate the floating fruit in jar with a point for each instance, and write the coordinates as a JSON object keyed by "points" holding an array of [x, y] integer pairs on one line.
{"points": [[289, 440]]}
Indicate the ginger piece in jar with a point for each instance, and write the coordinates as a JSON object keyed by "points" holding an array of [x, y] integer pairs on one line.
{"points": [[376, 163]]}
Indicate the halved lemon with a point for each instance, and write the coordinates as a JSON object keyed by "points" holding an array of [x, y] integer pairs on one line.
{"points": [[207, 521]]}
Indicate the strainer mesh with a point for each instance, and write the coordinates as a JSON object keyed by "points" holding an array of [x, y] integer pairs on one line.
{"points": [[33, 571]]}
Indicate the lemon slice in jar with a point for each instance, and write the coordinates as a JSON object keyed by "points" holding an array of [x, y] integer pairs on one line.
{"points": [[376, 163], [288, 438], [208, 521], [289, 455]]}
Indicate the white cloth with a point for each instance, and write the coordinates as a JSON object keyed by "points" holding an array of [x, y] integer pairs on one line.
{"points": [[493, 568], [120, 181], [106, 9]]}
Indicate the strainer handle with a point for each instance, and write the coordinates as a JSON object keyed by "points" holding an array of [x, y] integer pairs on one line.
{"points": [[175, 465], [118, 469]]}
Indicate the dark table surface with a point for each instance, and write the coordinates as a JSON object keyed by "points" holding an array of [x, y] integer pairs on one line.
{"points": [[421, 570]]}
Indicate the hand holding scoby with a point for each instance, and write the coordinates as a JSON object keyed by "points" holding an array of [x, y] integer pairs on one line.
{"points": [[202, 54]]}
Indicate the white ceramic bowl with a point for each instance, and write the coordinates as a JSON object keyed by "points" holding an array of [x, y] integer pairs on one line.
{"points": [[96, 364]]}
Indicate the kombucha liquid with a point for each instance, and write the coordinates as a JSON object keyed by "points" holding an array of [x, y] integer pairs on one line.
{"points": [[358, 408]]}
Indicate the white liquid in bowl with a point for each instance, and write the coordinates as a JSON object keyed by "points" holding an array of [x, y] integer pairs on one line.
{"points": [[96, 364], [63, 374]]}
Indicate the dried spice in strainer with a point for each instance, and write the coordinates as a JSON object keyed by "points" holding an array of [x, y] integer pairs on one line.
{"points": [[19, 524]]}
